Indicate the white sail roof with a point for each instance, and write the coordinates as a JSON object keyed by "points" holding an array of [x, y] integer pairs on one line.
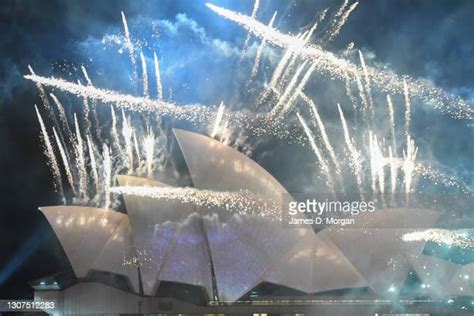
{"points": [[435, 275], [256, 241], [315, 265], [94, 238], [378, 252]]}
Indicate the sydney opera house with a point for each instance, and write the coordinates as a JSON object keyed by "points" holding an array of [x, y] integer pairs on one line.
{"points": [[169, 257]]}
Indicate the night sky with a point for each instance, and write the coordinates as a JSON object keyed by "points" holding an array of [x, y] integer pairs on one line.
{"points": [[425, 39]]}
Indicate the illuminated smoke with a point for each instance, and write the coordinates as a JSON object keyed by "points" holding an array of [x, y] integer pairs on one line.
{"points": [[65, 160], [441, 237], [335, 67], [144, 75], [241, 202], [324, 167], [159, 86], [49, 152]]}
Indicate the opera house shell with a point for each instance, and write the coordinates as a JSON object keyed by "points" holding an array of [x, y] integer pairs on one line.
{"points": [[228, 255]]}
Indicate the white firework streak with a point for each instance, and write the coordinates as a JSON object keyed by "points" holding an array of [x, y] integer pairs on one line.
{"points": [[149, 146], [43, 96], [129, 45], [288, 66], [256, 124], [377, 163], [393, 171], [350, 95], [80, 158], [439, 177], [441, 237], [241, 202], [85, 106], [159, 86], [260, 49], [335, 66], [95, 174], [218, 120], [137, 151], [256, 5], [297, 91], [287, 92], [49, 152], [342, 8], [278, 72], [115, 134], [62, 114], [93, 104], [353, 153], [107, 174], [407, 108], [408, 166], [324, 166], [391, 114], [191, 113], [65, 161], [306, 37], [368, 90], [144, 75], [127, 134], [322, 130], [338, 24], [363, 99]]}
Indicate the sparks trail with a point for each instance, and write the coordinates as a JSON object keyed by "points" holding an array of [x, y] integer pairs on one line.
{"points": [[241, 202], [441, 237], [159, 86], [256, 124], [324, 166], [258, 55], [49, 152], [65, 161], [335, 66]]}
